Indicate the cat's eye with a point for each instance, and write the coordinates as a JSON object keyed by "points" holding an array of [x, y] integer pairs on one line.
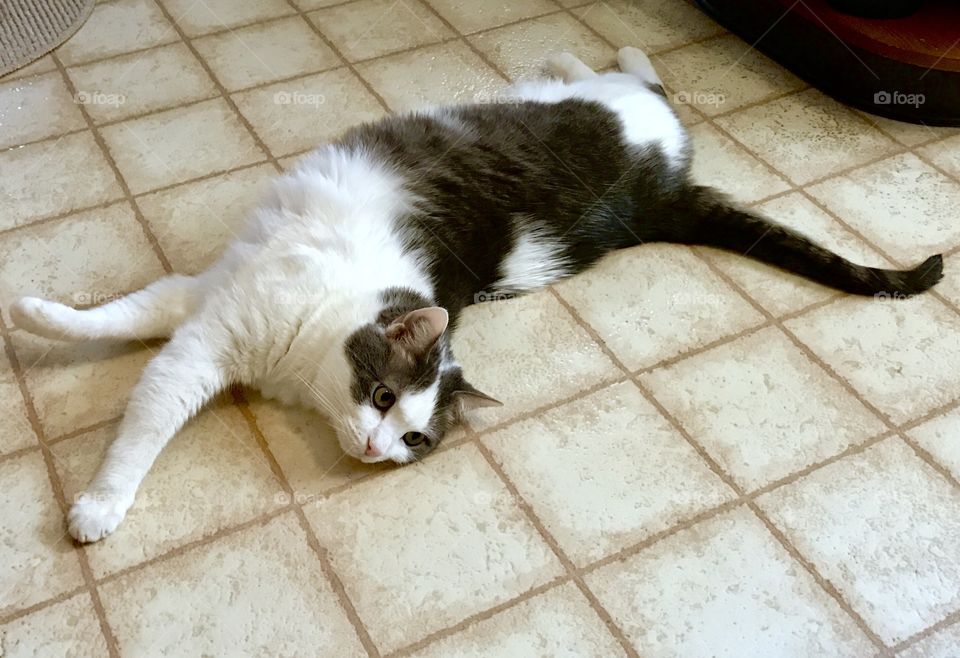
{"points": [[383, 397], [413, 438]]}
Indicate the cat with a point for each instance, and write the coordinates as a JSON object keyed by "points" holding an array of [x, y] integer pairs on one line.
{"points": [[344, 289]]}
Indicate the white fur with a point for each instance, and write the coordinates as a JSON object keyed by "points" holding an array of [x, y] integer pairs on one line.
{"points": [[275, 311]]}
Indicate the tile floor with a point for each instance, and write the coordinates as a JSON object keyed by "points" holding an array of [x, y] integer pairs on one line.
{"points": [[699, 455]]}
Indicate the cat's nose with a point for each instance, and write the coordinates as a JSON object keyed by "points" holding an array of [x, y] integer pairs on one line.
{"points": [[371, 451]]}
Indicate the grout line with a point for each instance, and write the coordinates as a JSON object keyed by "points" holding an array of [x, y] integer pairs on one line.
{"points": [[101, 143], [19, 613], [84, 430], [946, 622], [41, 140], [63, 215]]}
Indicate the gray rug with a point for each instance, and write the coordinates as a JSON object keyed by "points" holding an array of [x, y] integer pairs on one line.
{"points": [[29, 29]]}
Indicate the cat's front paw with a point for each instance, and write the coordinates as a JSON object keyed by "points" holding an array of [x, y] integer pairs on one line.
{"points": [[93, 516]]}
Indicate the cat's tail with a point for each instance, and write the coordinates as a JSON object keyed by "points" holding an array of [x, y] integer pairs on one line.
{"points": [[153, 312], [706, 217]]}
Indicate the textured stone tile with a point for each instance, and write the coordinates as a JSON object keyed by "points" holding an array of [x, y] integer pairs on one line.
{"points": [[467, 16], [37, 107], [115, 28], [720, 162], [15, 430], [196, 18], [68, 628], [651, 26], [938, 436]]}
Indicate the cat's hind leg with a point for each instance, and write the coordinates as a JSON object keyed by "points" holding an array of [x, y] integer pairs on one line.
{"points": [[185, 374], [568, 67], [635, 62], [153, 312]]}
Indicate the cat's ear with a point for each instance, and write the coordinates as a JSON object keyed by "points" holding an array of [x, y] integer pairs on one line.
{"points": [[418, 331], [469, 397]]}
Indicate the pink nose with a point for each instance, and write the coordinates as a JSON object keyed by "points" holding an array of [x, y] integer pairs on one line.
{"points": [[371, 451]]}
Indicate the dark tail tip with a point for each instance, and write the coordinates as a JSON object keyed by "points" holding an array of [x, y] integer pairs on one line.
{"points": [[923, 277]]}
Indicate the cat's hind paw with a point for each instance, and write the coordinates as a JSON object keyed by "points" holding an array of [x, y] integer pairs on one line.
{"points": [[94, 516]]}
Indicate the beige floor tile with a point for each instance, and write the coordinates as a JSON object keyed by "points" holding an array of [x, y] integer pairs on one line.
{"points": [[655, 302], [606, 472], [38, 107], [909, 134], [467, 16], [901, 355], [724, 588], [761, 408], [61, 375], [307, 450], [902, 205], [260, 591], [650, 26], [38, 557], [520, 50], [212, 475], [299, 114], [884, 528], [43, 65], [939, 645], [445, 73], [117, 27], [720, 162], [807, 135], [15, 430], [556, 623], [180, 144], [371, 28], [196, 18], [262, 53], [69, 628], [80, 260], [781, 292], [54, 177], [459, 544], [527, 353], [722, 74], [945, 154], [939, 437], [141, 82], [195, 222]]}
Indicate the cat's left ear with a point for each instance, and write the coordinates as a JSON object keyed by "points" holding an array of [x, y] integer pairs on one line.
{"points": [[469, 397], [418, 331]]}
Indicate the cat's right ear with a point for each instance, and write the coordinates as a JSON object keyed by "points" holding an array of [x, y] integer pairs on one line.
{"points": [[418, 331]]}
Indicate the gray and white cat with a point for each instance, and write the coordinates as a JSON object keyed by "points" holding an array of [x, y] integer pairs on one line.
{"points": [[343, 291]]}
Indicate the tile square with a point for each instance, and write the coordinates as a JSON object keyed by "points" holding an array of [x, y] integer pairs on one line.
{"points": [[520, 50], [211, 475], [60, 377], [259, 591], [72, 166], [43, 65], [180, 144], [944, 154], [909, 134], [80, 260], [458, 544], [939, 645], [197, 18], [195, 222], [526, 352], [807, 135], [884, 528], [37, 107], [299, 114], [69, 628], [723, 74], [371, 28], [781, 292], [467, 16], [655, 302], [559, 622], [724, 587], [720, 162], [38, 557], [262, 53], [142, 82], [901, 355], [115, 28], [650, 26], [15, 430], [605, 472], [903, 205], [938, 436], [436, 75], [761, 408]]}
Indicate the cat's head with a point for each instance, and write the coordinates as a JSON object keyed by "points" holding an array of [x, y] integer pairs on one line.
{"points": [[406, 392]]}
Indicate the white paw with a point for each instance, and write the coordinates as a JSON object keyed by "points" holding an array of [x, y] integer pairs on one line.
{"points": [[38, 316], [568, 67], [93, 516], [635, 62]]}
